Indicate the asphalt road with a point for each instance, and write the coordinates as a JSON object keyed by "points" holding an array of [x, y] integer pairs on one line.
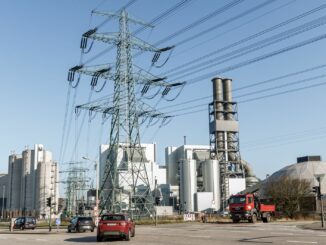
{"points": [[190, 234]]}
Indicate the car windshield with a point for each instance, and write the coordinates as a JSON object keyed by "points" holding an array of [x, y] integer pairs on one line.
{"points": [[237, 200], [113, 217]]}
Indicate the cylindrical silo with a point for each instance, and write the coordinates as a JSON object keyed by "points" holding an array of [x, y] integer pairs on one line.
{"points": [[172, 166], [188, 184], [15, 172], [211, 180], [27, 194]]}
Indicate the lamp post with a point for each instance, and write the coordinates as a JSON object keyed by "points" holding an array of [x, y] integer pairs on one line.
{"points": [[319, 178], [97, 184]]}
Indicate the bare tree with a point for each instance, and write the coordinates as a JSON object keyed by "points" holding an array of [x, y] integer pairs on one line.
{"points": [[287, 193]]}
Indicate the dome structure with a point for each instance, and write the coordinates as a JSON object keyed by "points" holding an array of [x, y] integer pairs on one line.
{"points": [[305, 168]]}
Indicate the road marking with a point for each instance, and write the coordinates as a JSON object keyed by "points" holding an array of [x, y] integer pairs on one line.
{"points": [[42, 240], [282, 233], [302, 242], [200, 236]]}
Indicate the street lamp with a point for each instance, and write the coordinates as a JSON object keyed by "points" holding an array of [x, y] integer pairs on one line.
{"points": [[97, 182], [319, 178]]}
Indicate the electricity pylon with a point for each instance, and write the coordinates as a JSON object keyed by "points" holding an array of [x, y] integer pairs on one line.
{"points": [[125, 112]]}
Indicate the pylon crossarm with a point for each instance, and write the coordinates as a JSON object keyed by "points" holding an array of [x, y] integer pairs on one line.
{"points": [[104, 13], [111, 38], [101, 71], [136, 43], [114, 15]]}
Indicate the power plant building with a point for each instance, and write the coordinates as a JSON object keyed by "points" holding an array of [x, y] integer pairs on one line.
{"points": [[198, 177], [156, 174], [3, 191], [32, 178]]}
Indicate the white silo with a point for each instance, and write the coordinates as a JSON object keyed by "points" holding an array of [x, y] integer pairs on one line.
{"points": [[188, 184], [27, 192], [45, 178], [172, 165], [15, 172], [211, 181]]}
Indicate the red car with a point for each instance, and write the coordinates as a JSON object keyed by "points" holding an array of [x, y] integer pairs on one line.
{"points": [[115, 226]]}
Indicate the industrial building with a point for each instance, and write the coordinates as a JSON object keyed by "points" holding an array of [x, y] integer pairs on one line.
{"points": [[306, 168], [208, 175], [3, 188], [32, 178], [156, 175]]}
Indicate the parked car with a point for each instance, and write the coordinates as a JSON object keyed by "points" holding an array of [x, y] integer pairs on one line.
{"points": [[115, 226], [23, 223], [81, 223]]}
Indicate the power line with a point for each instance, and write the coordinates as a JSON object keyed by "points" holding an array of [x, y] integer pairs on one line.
{"points": [[200, 21], [223, 23], [251, 85], [282, 24], [259, 58], [177, 53], [253, 99]]}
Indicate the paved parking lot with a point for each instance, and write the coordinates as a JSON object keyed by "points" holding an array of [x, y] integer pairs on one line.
{"points": [[191, 233]]}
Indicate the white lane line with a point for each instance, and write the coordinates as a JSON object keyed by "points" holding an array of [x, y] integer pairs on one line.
{"points": [[42, 240], [200, 236], [302, 242], [282, 233]]}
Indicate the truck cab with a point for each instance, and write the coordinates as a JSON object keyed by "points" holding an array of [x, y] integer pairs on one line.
{"points": [[249, 207]]}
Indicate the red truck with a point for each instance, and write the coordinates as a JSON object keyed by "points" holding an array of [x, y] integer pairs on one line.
{"points": [[249, 207], [115, 226]]}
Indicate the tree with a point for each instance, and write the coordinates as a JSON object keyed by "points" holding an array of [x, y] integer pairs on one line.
{"points": [[287, 193]]}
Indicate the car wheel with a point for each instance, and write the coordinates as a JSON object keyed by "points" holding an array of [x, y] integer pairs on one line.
{"points": [[69, 230], [92, 230], [128, 236], [99, 238], [235, 220]]}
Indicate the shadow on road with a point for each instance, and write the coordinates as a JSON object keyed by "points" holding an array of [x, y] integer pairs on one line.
{"points": [[89, 239], [257, 239], [86, 239]]}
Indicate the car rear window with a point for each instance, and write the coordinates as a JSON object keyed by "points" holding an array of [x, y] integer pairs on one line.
{"points": [[113, 217]]}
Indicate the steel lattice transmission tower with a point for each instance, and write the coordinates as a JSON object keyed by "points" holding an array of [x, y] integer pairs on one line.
{"points": [[125, 111]]}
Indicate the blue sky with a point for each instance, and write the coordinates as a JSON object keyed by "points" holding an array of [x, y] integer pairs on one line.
{"points": [[40, 42]]}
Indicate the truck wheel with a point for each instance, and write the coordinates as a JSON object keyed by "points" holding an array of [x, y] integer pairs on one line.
{"points": [[253, 219], [268, 218]]}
